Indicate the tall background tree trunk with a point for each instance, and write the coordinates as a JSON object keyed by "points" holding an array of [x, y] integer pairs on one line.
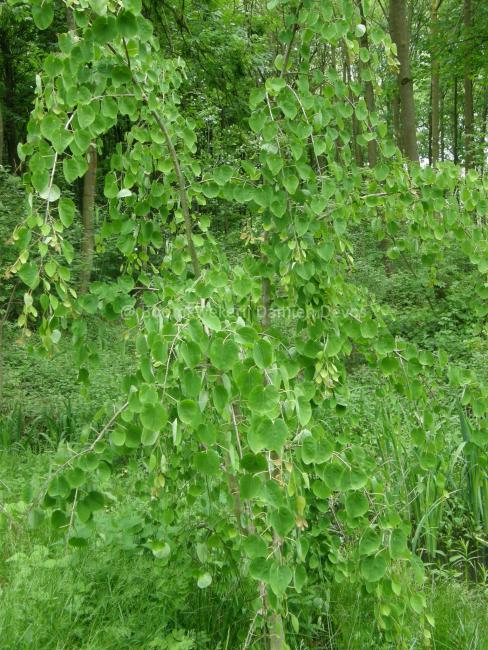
{"points": [[435, 84], [468, 94], [368, 90], [455, 124], [400, 34], [1, 134], [70, 19], [87, 213], [442, 128], [10, 132]]}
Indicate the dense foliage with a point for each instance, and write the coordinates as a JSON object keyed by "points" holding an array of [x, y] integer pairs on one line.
{"points": [[280, 412]]}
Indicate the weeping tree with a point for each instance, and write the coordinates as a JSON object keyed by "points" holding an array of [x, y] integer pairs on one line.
{"points": [[241, 374]]}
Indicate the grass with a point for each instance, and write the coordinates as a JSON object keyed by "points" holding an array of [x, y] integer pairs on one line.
{"points": [[110, 596], [102, 596]]}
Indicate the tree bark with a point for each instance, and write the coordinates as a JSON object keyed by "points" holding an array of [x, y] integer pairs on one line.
{"points": [[484, 130], [442, 129], [10, 132], [468, 95], [400, 34], [368, 90], [87, 212], [455, 123], [435, 84], [1, 134], [70, 19]]}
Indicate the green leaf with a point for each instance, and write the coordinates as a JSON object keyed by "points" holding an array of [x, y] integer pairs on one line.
{"points": [[370, 542], [160, 550], [42, 13], [357, 504], [304, 410], [263, 400], [263, 353], [369, 328], [283, 521], [191, 353], [118, 437], [35, 518], [204, 581], [275, 163], [418, 603], [76, 477], [224, 354], [309, 450], [50, 193], [255, 546], [250, 486], [29, 274], [279, 578], [291, 183], [104, 29], [154, 417], [74, 168], [149, 436], [259, 569], [373, 568], [86, 115], [398, 545], [211, 320], [265, 434], [207, 462], [66, 211], [127, 24], [189, 412], [223, 174], [275, 84]]}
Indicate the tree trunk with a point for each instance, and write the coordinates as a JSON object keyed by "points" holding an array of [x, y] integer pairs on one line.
{"points": [[435, 85], [87, 212], [400, 34], [442, 129], [368, 90], [455, 123], [1, 134], [10, 83], [484, 130], [356, 128], [468, 95], [70, 19]]}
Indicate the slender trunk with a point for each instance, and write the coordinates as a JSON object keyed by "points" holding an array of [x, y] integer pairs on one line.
{"points": [[368, 90], [356, 128], [400, 33], [435, 84], [10, 86], [484, 130], [455, 124], [1, 134], [70, 19], [87, 187], [184, 201], [87, 212], [277, 639], [468, 95], [430, 127], [395, 109], [2, 324], [442, 129]]}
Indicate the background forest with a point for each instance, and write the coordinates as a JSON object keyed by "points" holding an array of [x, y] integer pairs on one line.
{"points": [[243, 336]]}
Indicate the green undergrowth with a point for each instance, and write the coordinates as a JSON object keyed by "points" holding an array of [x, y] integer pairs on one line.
{"points": [[44, 400], [114, 594]]}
